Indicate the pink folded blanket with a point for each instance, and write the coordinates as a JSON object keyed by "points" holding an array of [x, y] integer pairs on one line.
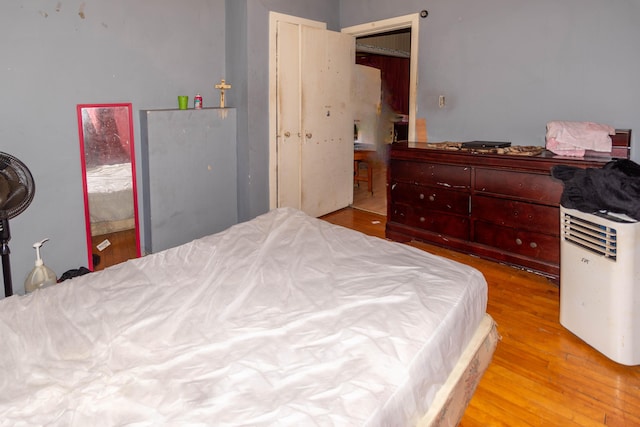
{"points": [[574, 138]]}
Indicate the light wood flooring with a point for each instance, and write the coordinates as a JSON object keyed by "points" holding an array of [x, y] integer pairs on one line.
{"points": [[541, 374], [372, 202]]}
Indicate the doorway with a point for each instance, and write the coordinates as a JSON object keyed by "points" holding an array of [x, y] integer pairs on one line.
{"points": [[390, 46], [310, 115]]}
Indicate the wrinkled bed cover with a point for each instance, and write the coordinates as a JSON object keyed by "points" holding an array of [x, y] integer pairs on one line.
{"points": [[110, 178], [110, 189], [283, 320]]}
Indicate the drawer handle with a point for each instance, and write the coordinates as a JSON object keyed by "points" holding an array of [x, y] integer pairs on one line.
{"points": [[422, 219], [432, 198], [518, 242], [533, 245], [421, 196]]}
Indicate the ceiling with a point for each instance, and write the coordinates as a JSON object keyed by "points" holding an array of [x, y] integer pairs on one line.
{"points": [[396, 43]]}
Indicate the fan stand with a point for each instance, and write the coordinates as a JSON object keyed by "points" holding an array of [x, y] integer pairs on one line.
{"points": [[5, 236]]}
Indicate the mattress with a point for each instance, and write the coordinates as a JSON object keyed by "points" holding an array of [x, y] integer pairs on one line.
{"points": [[281, 320]]}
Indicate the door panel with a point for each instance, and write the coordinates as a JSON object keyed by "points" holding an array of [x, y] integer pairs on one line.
{"points": [[323, 138], [327, 120], [288, 138]]}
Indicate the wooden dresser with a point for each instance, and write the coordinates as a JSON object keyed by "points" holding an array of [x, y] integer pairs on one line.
{"points": [[500, 207]]}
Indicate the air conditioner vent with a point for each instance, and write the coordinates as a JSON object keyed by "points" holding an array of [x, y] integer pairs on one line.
{"points": [[594, 237]]}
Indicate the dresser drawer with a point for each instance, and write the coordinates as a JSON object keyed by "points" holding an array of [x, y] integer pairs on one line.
{"points": [[433, 198], [529, 186], [535, 245], [510, 213], [446, 176], [437, 222]]}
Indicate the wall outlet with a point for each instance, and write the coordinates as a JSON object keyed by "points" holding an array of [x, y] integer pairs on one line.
{"points": [[441, 101]]}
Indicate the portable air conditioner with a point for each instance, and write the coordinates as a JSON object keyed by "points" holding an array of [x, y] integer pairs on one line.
{"points": [[600, 282]]}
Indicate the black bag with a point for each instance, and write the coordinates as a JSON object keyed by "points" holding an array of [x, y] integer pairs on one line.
{"points": [[70, 274]]}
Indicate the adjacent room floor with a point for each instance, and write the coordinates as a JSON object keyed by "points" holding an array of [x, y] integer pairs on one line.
{"points": [[376, 201]]}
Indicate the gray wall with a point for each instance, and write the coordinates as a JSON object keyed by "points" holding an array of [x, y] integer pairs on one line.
{"points": [[507, 67], [59, 54]]}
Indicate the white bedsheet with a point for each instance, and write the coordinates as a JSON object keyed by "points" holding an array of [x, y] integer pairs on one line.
{"points": [[284, 320], [110, 189]]}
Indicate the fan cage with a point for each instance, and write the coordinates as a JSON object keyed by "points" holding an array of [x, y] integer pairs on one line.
{"points": [[23, 176]]}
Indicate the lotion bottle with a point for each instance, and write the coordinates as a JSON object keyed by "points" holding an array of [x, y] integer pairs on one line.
{"points": [[41, 276]]}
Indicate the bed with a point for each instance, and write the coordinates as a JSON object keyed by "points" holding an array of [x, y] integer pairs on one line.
{"points": [[110, 195], [282, 320]]}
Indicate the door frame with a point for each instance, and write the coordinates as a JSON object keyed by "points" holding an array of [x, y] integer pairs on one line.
{"points": [[398, 23], [274, 18], [401, 22]]}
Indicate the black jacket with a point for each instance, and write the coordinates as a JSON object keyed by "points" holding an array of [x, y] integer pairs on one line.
{"points": [[614, 188]]}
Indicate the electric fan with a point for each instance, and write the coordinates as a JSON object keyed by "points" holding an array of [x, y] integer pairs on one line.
{"points": [[16, 193]]}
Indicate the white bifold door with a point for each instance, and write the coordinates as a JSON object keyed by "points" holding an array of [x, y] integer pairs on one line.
{"points": [[314, 118]]}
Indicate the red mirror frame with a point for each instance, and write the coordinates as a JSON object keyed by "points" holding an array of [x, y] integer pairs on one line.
{"points": [[88, 116]]}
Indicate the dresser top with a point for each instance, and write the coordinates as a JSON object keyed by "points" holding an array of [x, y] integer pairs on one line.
{"points": [[543, 161]]}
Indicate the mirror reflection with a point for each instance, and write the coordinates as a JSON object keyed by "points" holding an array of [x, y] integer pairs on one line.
{"points": [[108, 165]]}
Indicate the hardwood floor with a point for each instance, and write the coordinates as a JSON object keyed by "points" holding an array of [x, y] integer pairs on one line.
{"points": [[376, 202], [541, 374], [122, 246]]}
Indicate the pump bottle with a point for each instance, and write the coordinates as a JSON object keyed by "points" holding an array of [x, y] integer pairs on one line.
{"points": [[41, 276]]}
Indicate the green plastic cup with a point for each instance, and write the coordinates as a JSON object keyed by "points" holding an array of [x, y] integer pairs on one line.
{"points": [[183, 102]]}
